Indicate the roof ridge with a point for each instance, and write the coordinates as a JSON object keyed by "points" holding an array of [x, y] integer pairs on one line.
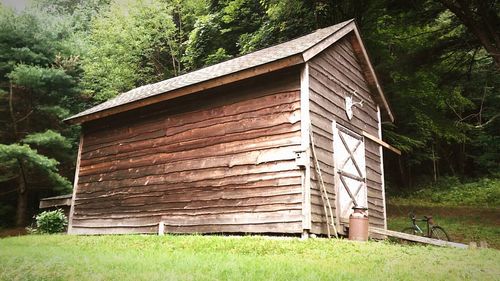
{"points": [[250, 53], [256, 58]]}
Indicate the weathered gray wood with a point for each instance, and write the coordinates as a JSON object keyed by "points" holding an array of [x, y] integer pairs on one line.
{"points": [[252, 184], [190, 196], [225, 95], [197, 161], [305, 146], [324, 193], [219, 130], [167, 163], [250, 138], [236, 180], [170, 125], [369, 73], [334, 78], [345, 78], [382, 143], [57, 201], [334, 74], [382, 177], [280, 134], [206, 170], [325, 108], [195, 89], [161, 228], [153, 211], [334, 37], [193, 220], [290, 227], [416, 238], [221, 203]]}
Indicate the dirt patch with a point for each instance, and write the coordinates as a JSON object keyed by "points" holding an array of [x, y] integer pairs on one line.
{"points": [[16, 231]]}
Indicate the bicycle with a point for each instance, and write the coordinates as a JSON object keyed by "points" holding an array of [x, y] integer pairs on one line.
{"points": [[433, 230]]}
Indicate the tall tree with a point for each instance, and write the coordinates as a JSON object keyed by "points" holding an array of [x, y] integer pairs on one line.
{"points": [[443, 86], [135, 43], [481, 19], [39, 74]]}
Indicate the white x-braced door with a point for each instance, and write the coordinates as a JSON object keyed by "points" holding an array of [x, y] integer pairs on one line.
{"points": [[349, 153]]}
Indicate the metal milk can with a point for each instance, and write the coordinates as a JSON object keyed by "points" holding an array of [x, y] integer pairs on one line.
{"points": [[358, 224]]}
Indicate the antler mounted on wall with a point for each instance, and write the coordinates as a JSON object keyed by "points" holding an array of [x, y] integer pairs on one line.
{"points": [[349, 104]]}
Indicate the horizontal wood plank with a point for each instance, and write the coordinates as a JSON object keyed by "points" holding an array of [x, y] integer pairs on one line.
{"points": [[225, 168], [335, 74], [416, 238]]}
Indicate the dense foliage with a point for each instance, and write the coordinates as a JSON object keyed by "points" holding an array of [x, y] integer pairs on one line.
{"points": [[449, 191], [39, 86], [437, 60]]}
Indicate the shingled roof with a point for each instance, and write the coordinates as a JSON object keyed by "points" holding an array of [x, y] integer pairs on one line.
{"points": [[286, 52]]}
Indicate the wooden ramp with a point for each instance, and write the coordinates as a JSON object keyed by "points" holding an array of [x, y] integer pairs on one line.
{"points": [[416, 238]]}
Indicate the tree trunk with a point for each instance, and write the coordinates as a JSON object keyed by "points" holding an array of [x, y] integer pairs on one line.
{"points": [[11, 110], [22, 198], [22, 203], [434, 168], [480, 18]]}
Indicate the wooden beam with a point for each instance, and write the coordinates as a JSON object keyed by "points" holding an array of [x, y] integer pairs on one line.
{"points": [[75, 185], [58, 202], [382, 143], [193, 89], [382, 174], [161, 228], [305, 141], [336, 180], [324, 193], [416, 238]]}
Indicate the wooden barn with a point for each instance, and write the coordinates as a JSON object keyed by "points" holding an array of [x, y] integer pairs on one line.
{"points": [[268, 142]]}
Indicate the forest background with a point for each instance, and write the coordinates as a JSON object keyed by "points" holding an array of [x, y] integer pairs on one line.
{"points": [[438, 62]]}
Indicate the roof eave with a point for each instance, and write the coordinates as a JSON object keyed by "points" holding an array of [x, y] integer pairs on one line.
{"points": [[298, 58], [371, 76], [328, 41], [192, 89]]}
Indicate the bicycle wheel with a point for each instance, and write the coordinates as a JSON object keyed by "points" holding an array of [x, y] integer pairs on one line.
{"points": [[411, 230], [408, 230], [438, 232]]}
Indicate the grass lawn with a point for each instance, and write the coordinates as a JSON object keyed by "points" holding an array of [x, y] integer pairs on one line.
{"points": [[468, 211], [143, 257], [463, 224]]}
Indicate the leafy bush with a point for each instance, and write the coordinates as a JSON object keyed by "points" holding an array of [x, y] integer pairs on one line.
{"points": [[51, 222], [450, 191]]}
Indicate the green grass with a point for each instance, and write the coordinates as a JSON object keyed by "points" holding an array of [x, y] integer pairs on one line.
{"points": [[462, 224], [468, 211], [136, 257]]}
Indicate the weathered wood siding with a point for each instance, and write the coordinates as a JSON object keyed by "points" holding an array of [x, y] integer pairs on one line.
{"points": [[334, 74], [220, 162]]}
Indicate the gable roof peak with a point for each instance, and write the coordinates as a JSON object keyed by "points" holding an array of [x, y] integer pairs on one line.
{"points": [[293, 52]]}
